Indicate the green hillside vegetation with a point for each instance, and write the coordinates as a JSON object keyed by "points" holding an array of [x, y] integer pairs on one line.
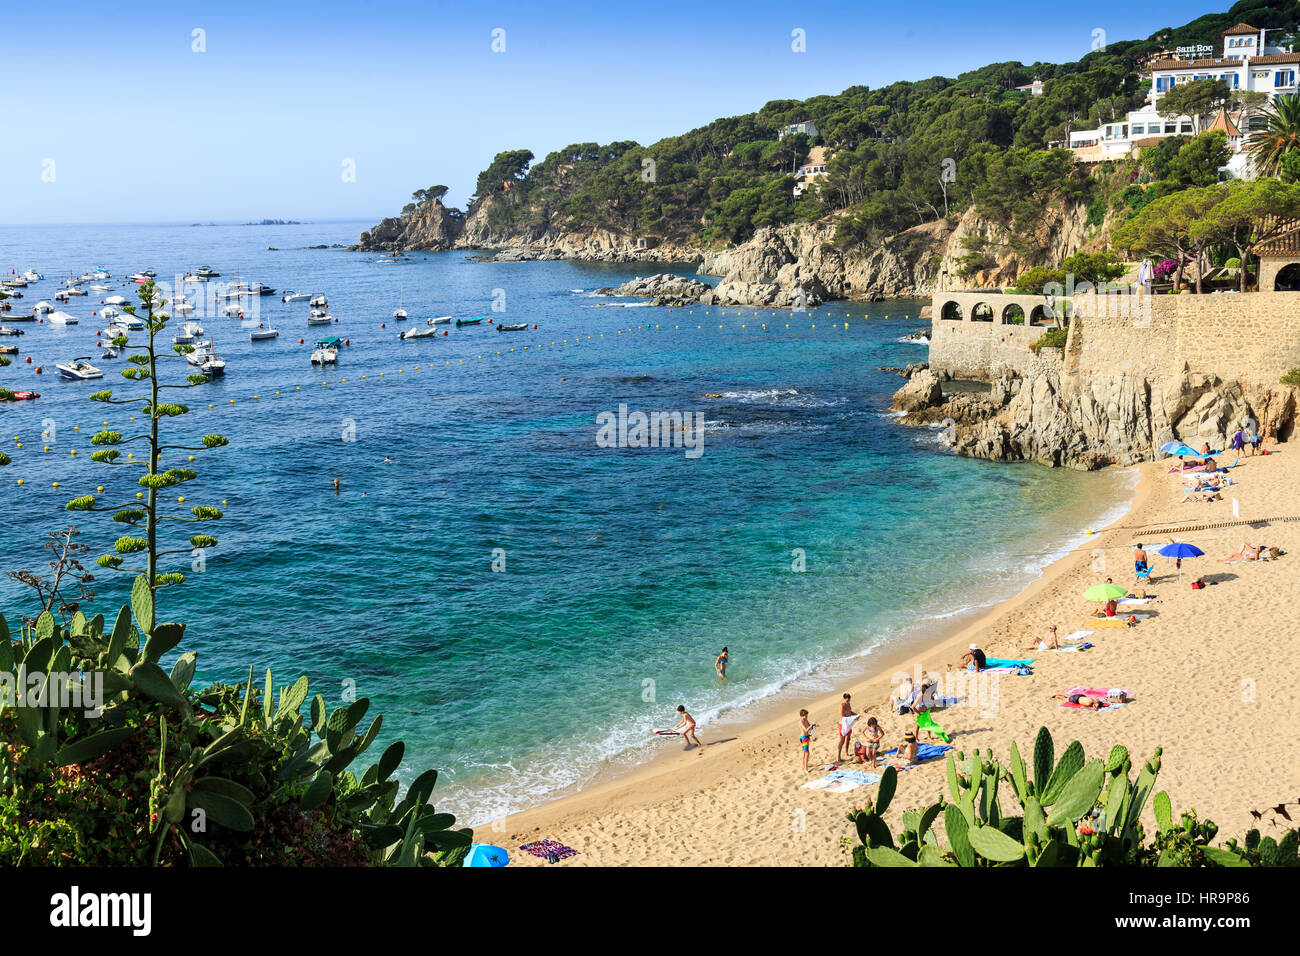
{"points": [[721, 182]]}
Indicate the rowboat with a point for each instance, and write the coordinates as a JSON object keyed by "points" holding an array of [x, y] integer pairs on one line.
{"points": [[295, 297], [417, 333], [260, 335], [322, 319], [440, 320], [460, 322], [512, 328]]}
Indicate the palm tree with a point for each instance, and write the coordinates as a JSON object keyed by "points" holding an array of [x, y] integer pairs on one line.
{"points": [[1280, 135]]}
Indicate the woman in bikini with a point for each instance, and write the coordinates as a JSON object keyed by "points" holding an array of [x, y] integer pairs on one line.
{"points": [[906, 753], [873, 735], [720, 665]]}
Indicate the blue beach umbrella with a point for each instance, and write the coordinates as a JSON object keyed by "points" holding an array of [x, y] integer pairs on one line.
{"points": [[1179, 549], [485, 854], [1171, 447]]}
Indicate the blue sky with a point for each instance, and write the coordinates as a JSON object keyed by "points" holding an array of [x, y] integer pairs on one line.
{"points": [[131, 124]]}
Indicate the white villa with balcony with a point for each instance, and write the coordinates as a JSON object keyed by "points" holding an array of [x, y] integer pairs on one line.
{"points": [[1248, 63]]}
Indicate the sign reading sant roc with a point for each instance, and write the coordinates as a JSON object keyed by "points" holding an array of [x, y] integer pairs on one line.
{"points": [[1193, 52]]}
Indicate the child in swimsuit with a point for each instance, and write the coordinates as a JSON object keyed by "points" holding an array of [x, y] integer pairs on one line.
{"points": [[805, 736], [873, 735]]}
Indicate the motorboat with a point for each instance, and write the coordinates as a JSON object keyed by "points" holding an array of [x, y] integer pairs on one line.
{"points": [[234, 311], [108, 353], [101, 274], [417, 333], [31, 275], [318, 302], [77, 290], [21, 316], [61, 295], [205, 360], [116, 300], [17, 282], [261, 289], [101, 288], [42, 306], [321, 319], [261, 335], [60, 319], [79, 369], [203, 272], [460, 322], [512, 328], [8, 349], [295, 297], [5, 330], [24, 396], [110, 312], [140, 278], [188, 334], [325, 352], [440, 320]]}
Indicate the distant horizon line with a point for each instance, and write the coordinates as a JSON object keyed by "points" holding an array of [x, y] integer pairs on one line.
{"points": [[192, 223]]}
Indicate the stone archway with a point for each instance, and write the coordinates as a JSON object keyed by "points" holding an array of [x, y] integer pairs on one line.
{"points": [[1288, 278], [1013, 315], [981, 312], [951, 311]]}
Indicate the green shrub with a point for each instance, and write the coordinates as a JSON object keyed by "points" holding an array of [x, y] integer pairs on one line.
{"points": [[1233, 263], [1292, 377], [1051, 339]]}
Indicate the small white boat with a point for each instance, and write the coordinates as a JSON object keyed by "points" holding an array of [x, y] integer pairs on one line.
{"points": [[322, 319], [61, 295], [6, 331], [17, 282], [440, 320], [324, 354], [116, 300], [203, 273], [108, 353], [399, 314], [110, 312], [295, 297], [31, 275], [261, 335], [77, 290], [318, 302], [183, 308], [188, 334], [205, 360], [79, 369], [101, 274], [101, 288], [60, 319], [113, 331], [234, 311], [417, 333], [42, 306]]}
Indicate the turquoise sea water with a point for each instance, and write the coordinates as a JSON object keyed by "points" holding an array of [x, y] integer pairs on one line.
{"points": [[625, 570]]}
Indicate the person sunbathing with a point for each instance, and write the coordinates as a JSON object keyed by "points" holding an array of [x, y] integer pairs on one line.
{"points": [[1092, 703], [1109, 610], [1247, 553]]}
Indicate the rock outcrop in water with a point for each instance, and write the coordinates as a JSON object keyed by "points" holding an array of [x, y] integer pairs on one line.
{"points": [[1089, 423], [664, 289]]}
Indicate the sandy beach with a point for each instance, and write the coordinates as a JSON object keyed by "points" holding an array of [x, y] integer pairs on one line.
{"points": [[1209, 670]]}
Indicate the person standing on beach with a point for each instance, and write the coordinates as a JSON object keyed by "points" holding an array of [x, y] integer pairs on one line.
{"points": [[805, 736], [873, 735], [1140, 559], [720, 665], [686, 726], [847, 717]]}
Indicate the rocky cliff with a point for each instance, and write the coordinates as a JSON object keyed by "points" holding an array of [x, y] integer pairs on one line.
{"points": [[1089, 422], [778, 266]]}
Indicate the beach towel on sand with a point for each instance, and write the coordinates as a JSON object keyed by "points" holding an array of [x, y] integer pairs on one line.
{"points": [[552, 851], [923, 752], [992, 663], [842, 781], [1070, 643], [1066, 705], [1098, 691]]}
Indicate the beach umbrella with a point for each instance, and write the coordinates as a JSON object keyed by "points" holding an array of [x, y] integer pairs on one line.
{"points": [[1179, 549], [1172, 447], [1104, 592], [485, 854]]}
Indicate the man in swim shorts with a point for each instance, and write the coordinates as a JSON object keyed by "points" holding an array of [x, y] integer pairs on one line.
{"points": [[847, 717], [805, 736]]}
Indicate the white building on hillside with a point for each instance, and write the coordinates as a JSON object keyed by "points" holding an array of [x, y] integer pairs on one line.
{"points": [[1248, 63], [807, 127]]}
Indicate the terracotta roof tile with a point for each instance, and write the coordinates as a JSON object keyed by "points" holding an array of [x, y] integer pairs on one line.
{"points": [[1241, 29], [1285, 245]]}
